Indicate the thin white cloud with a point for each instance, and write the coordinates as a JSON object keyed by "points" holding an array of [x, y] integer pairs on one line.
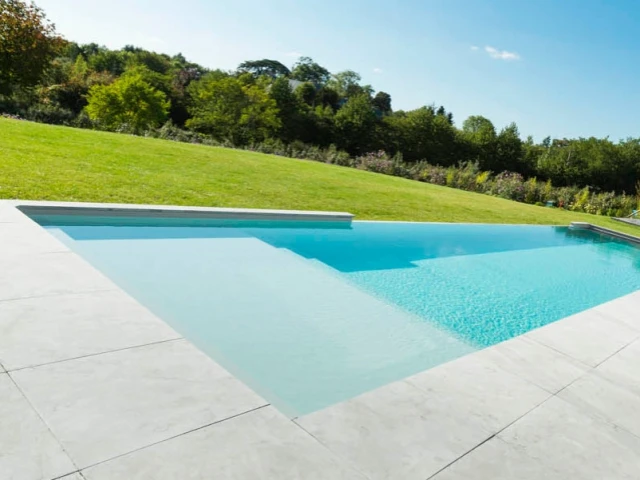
{"points": [[501, 54], [293, 54], [377, 70], [474, 47]]}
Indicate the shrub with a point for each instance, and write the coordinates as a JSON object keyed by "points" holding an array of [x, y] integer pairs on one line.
{"points": [[547, 191], [378, 162], [46, 113], [483, 181], [581, 200], [531, 191], [564, 196], [128, 105], [83, 121], [431, 174], [509, 185]]}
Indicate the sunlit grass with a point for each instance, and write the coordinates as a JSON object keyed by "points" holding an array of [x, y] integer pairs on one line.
{"points": [[43, 162]]}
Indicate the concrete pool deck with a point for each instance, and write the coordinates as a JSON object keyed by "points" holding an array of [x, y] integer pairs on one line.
{"points": [[94, 386]]}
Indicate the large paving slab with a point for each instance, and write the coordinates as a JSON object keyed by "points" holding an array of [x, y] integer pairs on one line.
{"points": [[534, 362], [623, 368], [28, 238], [596, 395], [480, 391], [625, 309], [611, 392], [556, 441], [413, 428], [574, 444], [110, 404], [9, 214], [396, 431], [35, 331], [28, 450], [589, 337], [24, 276], [261, 444]]}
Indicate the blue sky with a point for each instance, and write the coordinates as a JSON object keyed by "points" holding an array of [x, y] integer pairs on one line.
{"points": [[560, 68]]}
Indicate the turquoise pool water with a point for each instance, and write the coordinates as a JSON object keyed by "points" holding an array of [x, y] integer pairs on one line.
{"points": [[313, 314]]}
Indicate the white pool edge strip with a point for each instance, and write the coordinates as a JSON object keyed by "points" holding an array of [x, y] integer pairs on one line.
{"points": [[605, 231], [30, 207]]}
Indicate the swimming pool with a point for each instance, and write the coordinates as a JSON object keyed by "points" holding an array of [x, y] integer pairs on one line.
{"points": [[310, 314]]}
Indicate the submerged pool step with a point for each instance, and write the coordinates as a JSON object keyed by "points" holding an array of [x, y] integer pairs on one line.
{"points": [[293, 330]]}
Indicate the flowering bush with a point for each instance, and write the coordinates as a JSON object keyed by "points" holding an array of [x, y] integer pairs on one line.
{"points": [[380, 162], [509, 185]]}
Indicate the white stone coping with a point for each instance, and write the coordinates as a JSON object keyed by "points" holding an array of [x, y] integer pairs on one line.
{"points": [[605, 231], [95, 386], [161, 211]]}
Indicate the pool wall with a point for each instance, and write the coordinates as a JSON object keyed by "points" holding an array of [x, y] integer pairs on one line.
{"points": [[93, 383], [606, 231], [123, 210]]}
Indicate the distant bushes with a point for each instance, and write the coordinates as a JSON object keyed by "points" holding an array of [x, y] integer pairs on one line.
{"points": [[513, 186], [45, 113], [467, 176]]}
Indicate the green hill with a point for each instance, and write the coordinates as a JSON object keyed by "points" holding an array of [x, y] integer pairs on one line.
{"points": [[43, 162]]}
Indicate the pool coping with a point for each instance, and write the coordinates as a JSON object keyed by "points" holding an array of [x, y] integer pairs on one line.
{"points": [[606, 231], [170, 211], [429, 425]]}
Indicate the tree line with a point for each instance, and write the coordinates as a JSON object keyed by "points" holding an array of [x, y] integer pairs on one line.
{"points": [[46, 78]]}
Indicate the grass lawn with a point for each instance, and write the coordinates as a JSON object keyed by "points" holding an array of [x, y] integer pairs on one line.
{"points": [[43, 162]]}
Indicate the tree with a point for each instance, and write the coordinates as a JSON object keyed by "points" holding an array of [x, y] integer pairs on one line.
{"points": [[111, 61], [480, 134], [306, 70], [355, 123], [131, 101], [422, 134], [156, 62], [289, 111], [229, 109], [28, 44], [70, 84], [346, 84], [479, 128], [182, 75], [306, 93], [327, 96], [271, 68], [509, 151], [382, 102]]}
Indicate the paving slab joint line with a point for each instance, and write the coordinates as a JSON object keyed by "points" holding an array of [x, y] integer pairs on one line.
{"points": [[176, 436], [494, 435], [50, 430], [48, 295], [616, 352], [587, 367], [343, 460], [587, 411], [539, 342], [106, 352], [66, 475]]}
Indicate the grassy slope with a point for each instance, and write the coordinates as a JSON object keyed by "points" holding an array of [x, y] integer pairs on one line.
{"points": [[42, 162]]}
